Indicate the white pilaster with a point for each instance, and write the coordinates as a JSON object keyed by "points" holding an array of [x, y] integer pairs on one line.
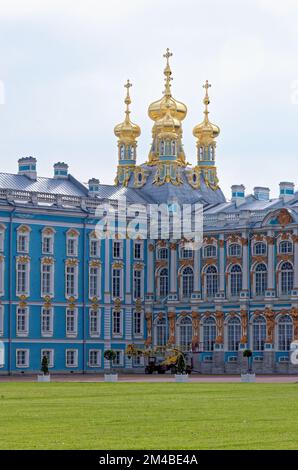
{"points": [[128, 270], [174, 269], [221, 263], [107, 272], [296, 259], [150, 267], [245, 264], [271, 270]]}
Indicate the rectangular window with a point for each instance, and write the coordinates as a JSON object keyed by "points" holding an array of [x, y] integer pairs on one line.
{"points": [[94, 248], [22, 321], [71, 281], [138, 323], [22, 278], [72, 247], [23, 243], [94, 282], [117, 251], [116, 283], [47, 321], [138, 252], [117, 323], [71, 358], [47, 245], [94, 358], [71, 322], [49, 353], [1, 320], [94, 323], [118, 361], [22, 358], [46, 279], [137, 284]]}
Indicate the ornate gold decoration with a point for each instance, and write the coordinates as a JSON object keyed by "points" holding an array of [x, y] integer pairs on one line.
{"points": [[244, 322], [194, 177], [172, 318], [195, 329], [148, 317], [284, 217], [138, 305], [294, 314], [23, 229], [95, 263], [259, 259], [117, 265], [219, 318], [151, 247], [270, 240], [47, 260], [284, 257], [270, 325], [139, 266], [48, 231], [73, 233], [186, 262], [244, 241], [23, 259], [234, 260], [71, 262], [117, 304], [173, 246]]}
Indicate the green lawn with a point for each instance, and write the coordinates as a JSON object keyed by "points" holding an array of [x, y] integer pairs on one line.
{"points": [[148, 416]]}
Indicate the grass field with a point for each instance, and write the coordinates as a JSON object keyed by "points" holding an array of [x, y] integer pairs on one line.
{"points": [[148, 416]]}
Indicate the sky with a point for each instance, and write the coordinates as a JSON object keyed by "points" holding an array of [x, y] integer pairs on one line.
{"points": [[63, 65]]}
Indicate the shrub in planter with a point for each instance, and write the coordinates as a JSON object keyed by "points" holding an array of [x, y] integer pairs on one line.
{"points": [[45, 377], [110, 356], [248, 354]]}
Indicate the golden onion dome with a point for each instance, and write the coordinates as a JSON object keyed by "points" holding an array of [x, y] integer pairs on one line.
{"points": [[127, 131], [168, 125], [158, 108], [206, 128]]}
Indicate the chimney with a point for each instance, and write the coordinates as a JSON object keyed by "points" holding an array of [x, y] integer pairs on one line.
{"points": [[93, 184], [286, 190], [261, 194], [27, 167], [238, 194], [60, 170]]}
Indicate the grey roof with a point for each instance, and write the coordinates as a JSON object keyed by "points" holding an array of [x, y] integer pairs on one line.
{"points": [[68, 186]]}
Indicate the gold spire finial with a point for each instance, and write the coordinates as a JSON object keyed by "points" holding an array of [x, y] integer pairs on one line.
{"points": [[206, 99], [168, 73], [127, 100]]}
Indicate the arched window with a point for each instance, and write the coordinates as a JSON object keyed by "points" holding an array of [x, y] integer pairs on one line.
{"points": [[187, 282], [286, 278], [235, 249], [163, 282], [162, 148], [211, 281], [285, 333], [286, 247], [201, 153], [234, 334], [211, 152], [131, 151], [210, 251], [122, 152], [173, 152], [259, 333], [161, 332], [185, 333], [260, 248], [236, 279], [209, 333], [260, 279], [162, 253]]}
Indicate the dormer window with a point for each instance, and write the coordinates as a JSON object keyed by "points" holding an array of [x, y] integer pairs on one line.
{"points": [[235, 249], [286, 247], [260, 248], [162, 253], [210, 251]]}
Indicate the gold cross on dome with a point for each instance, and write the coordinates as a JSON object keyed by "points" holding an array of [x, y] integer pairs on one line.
{"points": [[168, 54], [206, 86], [128, 85]]}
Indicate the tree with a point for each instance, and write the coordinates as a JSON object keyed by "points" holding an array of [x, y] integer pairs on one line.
{"points": [[181, 364], [45, 365], [248, 354], [110, 356]]}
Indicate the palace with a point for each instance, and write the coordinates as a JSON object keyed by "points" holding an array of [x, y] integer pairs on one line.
{"points": [[69, 295]]}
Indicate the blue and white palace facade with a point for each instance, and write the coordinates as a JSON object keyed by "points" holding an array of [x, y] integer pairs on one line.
{"points": [[68, 294]]}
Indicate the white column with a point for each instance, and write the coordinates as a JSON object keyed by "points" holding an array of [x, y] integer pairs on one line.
{"points": [[174, 268], [221, 264], [197, 271], [150, 267], [107, 272], [271, 270], [128, 270], [107, 333], [245, 264], [295, 239]]}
